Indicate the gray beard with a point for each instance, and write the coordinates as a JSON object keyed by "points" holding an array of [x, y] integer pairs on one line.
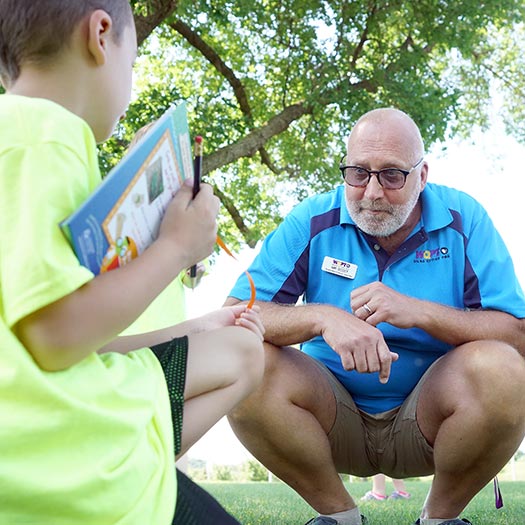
{"points": [[388, 223]]}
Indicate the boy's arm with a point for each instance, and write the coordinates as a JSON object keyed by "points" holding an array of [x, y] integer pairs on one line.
{"points": [[66, 331], [238, 315]]}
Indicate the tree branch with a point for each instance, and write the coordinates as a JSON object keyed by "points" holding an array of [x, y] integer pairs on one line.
{"points": [[251, 143], [236, 216], [501, 76], [362, 41], [216, 61], [156, 11]]}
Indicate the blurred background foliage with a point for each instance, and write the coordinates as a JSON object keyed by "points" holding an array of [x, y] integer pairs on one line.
{"points": [[274, 86]]}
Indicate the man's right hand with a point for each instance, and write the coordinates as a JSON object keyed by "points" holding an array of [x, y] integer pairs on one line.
{"points": [[360, 346]]}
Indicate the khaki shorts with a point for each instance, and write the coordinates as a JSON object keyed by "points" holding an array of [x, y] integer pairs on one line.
{"points": [[389, 442]]}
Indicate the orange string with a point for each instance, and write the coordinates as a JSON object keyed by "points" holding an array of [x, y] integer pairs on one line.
{"points": [[220, 242]]}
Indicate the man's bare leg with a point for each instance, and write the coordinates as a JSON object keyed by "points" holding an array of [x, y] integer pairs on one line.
{"points": [[472, 410], [285, 425]]}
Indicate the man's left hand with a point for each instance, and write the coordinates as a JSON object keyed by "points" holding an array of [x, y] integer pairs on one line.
{"points": [[376, 303]]}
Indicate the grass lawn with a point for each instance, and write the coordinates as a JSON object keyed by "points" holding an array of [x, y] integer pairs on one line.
{"points": [[277, 504]]}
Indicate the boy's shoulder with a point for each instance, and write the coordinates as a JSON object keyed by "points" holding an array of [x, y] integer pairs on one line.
{"points": [[36, 119], [17, 103]]}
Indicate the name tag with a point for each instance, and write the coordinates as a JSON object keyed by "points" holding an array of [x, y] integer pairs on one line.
{"points": [[342, 268]]}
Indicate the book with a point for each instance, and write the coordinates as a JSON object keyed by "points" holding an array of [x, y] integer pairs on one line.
{"points": [[121, 218]]}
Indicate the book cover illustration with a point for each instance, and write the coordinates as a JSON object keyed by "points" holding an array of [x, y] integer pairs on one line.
{"points": [[122, 216]]}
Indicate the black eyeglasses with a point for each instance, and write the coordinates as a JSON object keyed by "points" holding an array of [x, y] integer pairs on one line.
{"points": [[389, 178]]}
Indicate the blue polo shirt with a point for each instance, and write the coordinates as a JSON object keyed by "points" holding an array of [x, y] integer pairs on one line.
{"points": [[454, 256]]}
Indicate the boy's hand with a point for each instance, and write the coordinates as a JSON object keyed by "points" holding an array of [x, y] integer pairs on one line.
{"points": [[250, 318], [237, 315], [189, 225]]}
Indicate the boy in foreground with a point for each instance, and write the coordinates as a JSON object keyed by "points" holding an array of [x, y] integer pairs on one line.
{"points": [[87, 430]]}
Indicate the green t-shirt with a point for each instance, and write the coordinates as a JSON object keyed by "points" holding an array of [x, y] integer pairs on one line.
{"points": [[92, 444], [168, 308]]}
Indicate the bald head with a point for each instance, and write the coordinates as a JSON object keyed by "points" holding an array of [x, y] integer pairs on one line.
{"points": [[385, 140], [387, 131]]}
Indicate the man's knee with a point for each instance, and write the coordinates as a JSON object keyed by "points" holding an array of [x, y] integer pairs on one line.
{"points": [[287, 382], [485, 363], [493, 373], [281, 366], [483, 380]]}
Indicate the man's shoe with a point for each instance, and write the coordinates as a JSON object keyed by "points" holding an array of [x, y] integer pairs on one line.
{"points": [[449, 522], [372, 496], [456, 522], [325, 520], [399, 495]]}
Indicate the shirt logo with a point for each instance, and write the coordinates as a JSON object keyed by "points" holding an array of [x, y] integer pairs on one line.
{"points": [[431, 255], [338, 267]]}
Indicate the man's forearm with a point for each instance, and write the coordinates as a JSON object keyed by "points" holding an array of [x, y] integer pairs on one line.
{"points": [[457, 327], [290, 324]]}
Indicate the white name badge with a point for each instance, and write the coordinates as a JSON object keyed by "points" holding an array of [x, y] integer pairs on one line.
{"points": [[342, 268]]}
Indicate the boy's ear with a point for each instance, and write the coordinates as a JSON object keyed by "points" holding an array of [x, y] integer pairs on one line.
{"points": [[99, 32]]}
